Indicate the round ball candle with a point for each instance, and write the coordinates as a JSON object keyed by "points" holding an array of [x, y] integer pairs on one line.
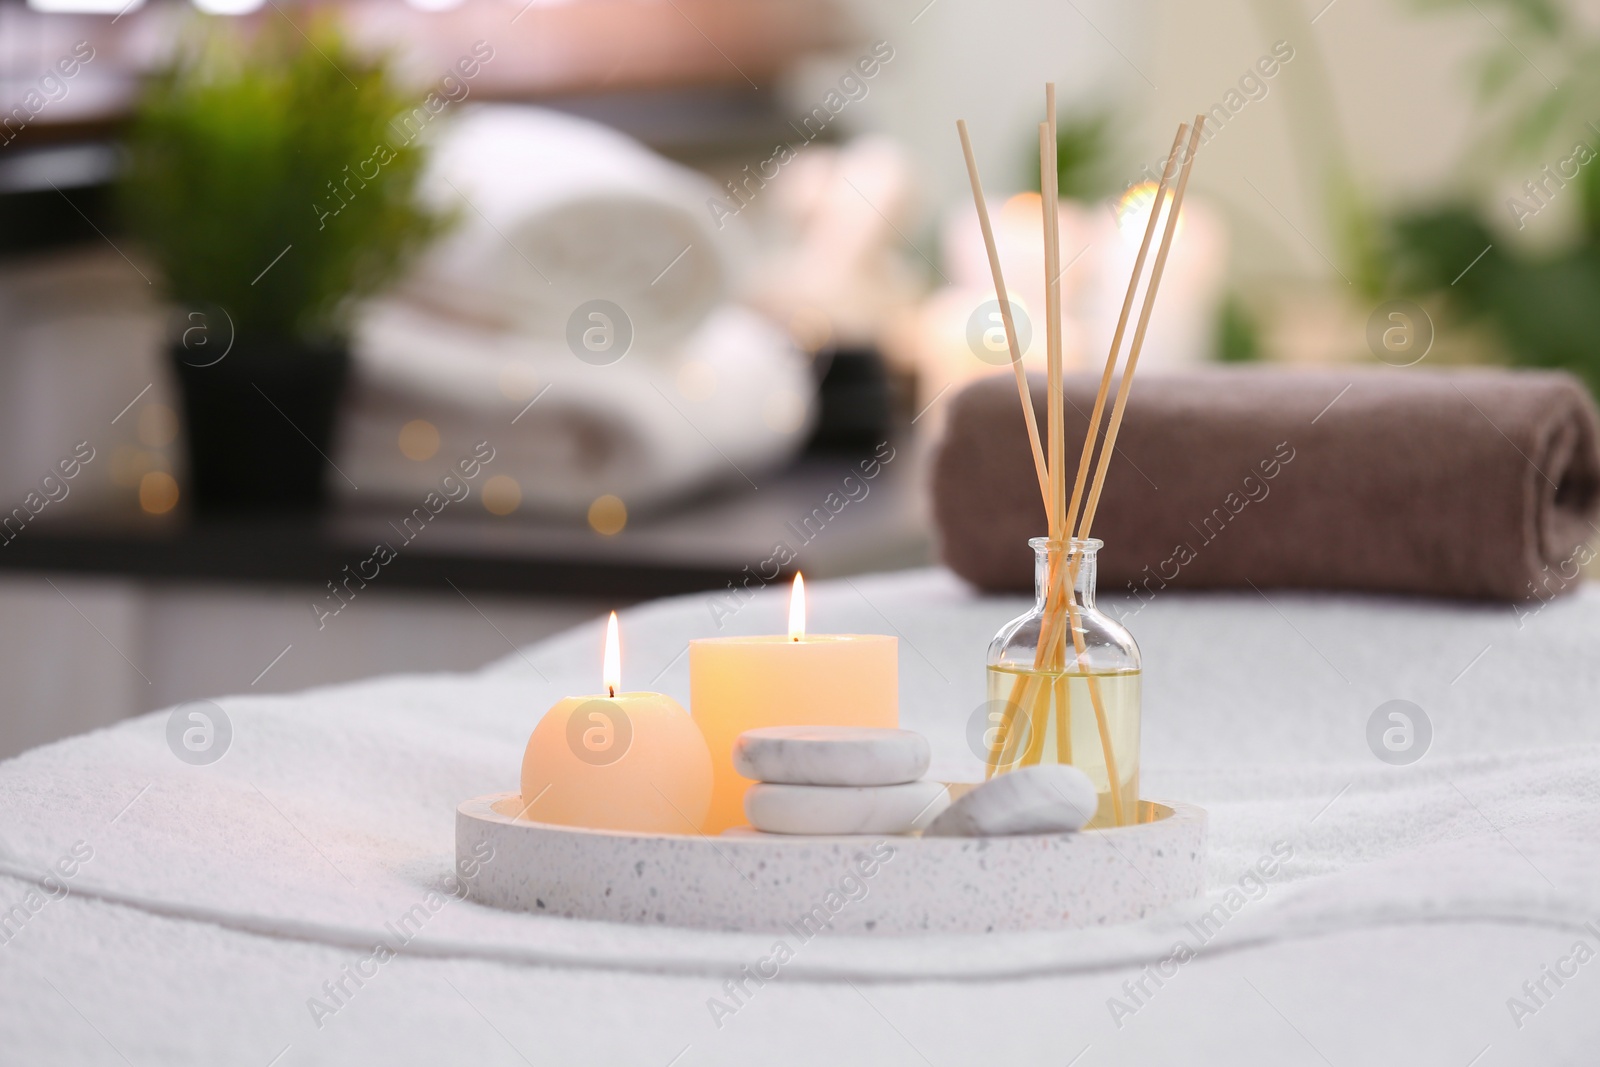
{"points": [[618, 761], [799, 679]]}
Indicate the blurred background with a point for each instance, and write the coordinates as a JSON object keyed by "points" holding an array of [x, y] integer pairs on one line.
{"points": [[348, 337]]}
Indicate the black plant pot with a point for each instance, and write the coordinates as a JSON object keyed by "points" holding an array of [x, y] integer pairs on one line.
{"points": [[260, 422]]}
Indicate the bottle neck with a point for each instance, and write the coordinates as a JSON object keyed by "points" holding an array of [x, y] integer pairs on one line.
{"points": [[1069, 564]]}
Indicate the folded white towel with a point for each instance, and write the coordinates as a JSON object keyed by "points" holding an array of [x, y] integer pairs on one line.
{"points": [[734, 399], [556, 211]]}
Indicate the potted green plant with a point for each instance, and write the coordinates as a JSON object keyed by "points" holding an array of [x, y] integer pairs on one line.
{"points": [[267, 182]]}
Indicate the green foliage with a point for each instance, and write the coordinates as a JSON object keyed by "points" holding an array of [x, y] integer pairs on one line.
{"points": [[1083, 157], [237, 151], [1545, 309], [1538, 74], [1238, 333], [1538, 79]]}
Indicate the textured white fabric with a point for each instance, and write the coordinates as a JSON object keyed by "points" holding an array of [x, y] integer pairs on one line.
{"points": [[1413, 903], [552, 211], [555, 213], [628, 429]]}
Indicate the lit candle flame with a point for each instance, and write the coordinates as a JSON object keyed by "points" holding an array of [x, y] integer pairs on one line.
{"points": [[1133, 211], [797, 609], [611, 672]]}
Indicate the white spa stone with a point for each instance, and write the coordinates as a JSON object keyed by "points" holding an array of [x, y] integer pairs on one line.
{"points": [[831, 755], [1046, 799], [841, 809]]}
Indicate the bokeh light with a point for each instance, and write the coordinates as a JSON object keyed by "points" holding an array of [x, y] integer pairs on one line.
{"points": [[419, 440], [501, 495], [519, 383], [608, 515], [158, 493]]}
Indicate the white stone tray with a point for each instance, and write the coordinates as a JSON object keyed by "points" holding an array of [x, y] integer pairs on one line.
{"points": [[853, 885]]}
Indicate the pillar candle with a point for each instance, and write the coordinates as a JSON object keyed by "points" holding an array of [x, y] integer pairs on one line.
{"points": [[617, 761], [741, 683]]}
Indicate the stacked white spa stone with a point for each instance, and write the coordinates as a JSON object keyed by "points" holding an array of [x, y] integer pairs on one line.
{"points": [[829, 780]]}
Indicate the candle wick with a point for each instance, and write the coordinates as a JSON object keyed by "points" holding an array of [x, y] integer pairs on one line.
{"points": [[611, 690]]}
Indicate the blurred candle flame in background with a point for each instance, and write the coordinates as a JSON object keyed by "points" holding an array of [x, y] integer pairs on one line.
{"points": [[1133, 212]]}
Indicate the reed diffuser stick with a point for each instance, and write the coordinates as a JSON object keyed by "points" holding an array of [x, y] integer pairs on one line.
{"points": [[1022, 704], [1048, 683], [1115, 424], [1052, 324], [1050, 192], [1092, 436], [1005, 314], [1108, 751], [1138, 334], [1063, 697], [1052, 656], [1060, 617], [1050, 195]]}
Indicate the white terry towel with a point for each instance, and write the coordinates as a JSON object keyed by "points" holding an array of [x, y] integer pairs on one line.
{"points": [[556, 211], [735, 399], [220, 899], [333, 810]]}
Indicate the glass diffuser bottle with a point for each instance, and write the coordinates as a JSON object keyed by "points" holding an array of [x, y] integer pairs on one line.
{"points": [[1064, 684]]}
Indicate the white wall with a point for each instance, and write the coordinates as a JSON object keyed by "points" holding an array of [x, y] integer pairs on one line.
{"points": [[78, 653], [986, 62], [1391, 90]]}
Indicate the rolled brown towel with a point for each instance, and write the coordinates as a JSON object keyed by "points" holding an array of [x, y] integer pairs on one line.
{"points": [[1469, 483]]}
